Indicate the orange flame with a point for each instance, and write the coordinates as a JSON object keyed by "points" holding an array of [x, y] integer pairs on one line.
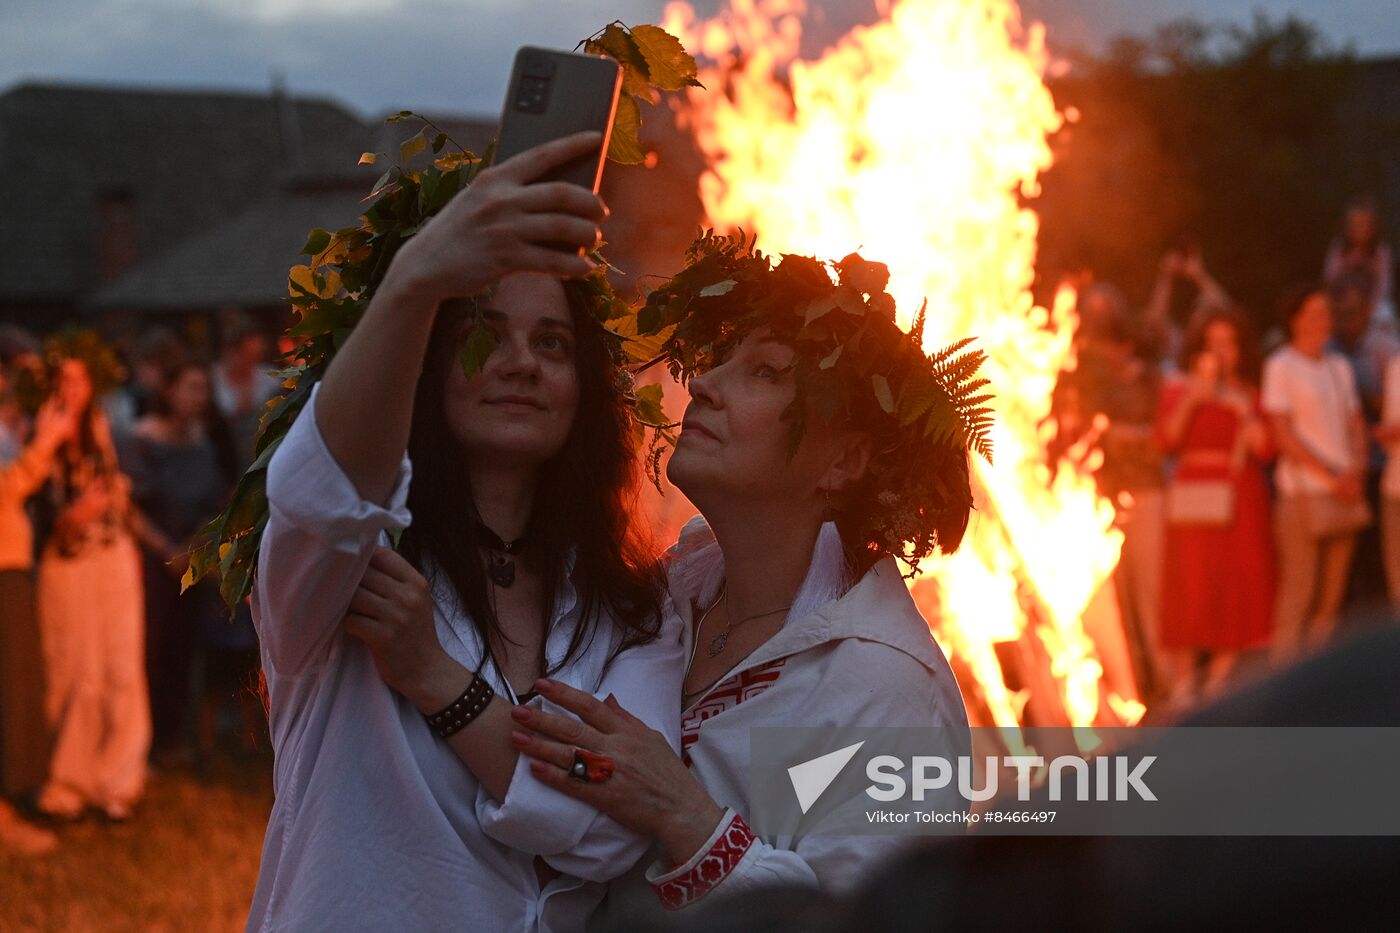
{"points": [[912, 140]]}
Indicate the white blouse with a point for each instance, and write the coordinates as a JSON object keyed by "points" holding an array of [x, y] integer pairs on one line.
{"points": [[377, 825], [864, 659]]}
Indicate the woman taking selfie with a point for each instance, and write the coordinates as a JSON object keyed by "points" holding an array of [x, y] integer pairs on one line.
{"points": [[1219, 548], [811, 479], [400, 800]]}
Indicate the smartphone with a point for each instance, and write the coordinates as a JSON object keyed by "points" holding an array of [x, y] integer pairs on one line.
{"points": [[554, 94]]}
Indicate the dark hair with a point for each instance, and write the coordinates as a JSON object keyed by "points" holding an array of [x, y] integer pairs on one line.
{"points": [[231, 459], [160, 402], [1293, 300], [1251, 359], [585, 498]]}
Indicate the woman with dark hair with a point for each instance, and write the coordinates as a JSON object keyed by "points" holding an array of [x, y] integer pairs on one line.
{"points": [[1219, 597], [820, 445], [178, 483], [401, 803], [1309, 393], [91, 612]]}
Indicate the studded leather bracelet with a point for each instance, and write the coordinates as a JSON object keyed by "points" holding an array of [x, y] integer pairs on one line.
{"points": [[457, 715]]}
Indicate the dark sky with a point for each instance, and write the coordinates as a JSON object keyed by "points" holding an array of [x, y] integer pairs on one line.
{"points": [[453, 55]]}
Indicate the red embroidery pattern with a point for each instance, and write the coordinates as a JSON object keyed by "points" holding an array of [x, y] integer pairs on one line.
{"points": [[712, 868], [726, 695]]}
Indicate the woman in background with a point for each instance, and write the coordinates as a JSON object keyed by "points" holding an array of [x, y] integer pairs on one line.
{"points": [[1219, 593], [91, 616], [177, 484]]}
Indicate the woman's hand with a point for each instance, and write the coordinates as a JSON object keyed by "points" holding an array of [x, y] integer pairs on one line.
{"points": [[498, 224], [54, 424], [392, 613], [650, 790]]}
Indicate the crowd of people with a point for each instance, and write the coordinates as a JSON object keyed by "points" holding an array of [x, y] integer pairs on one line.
{"points": [[107, 474], [1256, 478]]}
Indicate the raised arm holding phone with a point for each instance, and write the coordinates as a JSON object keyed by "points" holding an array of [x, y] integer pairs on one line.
{"points": [[401, 802]]}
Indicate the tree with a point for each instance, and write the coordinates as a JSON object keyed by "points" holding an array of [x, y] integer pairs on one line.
{"points": [[1227, 136]]}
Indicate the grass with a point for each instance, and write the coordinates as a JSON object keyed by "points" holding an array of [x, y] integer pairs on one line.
{"points": [[187, 861]]}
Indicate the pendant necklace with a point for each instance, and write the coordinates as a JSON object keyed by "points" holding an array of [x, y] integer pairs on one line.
{"points": [[719, 641], [501, 567]]}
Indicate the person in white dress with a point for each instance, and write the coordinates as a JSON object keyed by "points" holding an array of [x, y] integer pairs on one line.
{"points": [[400, 801], [92, 621]]}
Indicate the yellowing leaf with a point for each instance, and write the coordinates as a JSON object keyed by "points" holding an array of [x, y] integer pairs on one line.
{"points": [[322, 284], [412, 146], [649, 408], [669, 66], [623, 146], [368, 158], [616, 44]]}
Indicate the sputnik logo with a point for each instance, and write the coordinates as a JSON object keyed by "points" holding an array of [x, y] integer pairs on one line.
{"points": [[811, 778]]}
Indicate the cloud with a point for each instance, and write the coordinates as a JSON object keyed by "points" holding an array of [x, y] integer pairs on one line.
{"points": [[454, 55], [426, 54]]}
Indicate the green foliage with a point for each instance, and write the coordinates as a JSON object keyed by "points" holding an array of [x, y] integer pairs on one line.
{"points": [[852, 364], [652, 61], [331, 291]]}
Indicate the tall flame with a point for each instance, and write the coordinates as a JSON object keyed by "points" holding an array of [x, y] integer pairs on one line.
{"points": [[913, 141]]}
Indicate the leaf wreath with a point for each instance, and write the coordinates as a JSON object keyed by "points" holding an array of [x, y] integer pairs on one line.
{"points": [[853, 365], [34, 380], [331, 291]]}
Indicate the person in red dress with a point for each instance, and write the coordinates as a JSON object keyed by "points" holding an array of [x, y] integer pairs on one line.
{"points": [[1218, 592]]}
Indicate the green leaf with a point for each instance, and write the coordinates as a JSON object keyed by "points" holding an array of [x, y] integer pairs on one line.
{"points": [[624, 146], [412, 146], [439, 141], [316, 242], [882, 392], [830, 360], [669, 65], [400, 116]]}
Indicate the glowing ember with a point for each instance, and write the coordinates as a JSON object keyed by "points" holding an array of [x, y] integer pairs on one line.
{"points": [[910, 140]]}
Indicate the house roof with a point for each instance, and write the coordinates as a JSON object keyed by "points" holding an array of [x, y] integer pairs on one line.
{"points": [[224, 187], [242, 261], [188, 160]]}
